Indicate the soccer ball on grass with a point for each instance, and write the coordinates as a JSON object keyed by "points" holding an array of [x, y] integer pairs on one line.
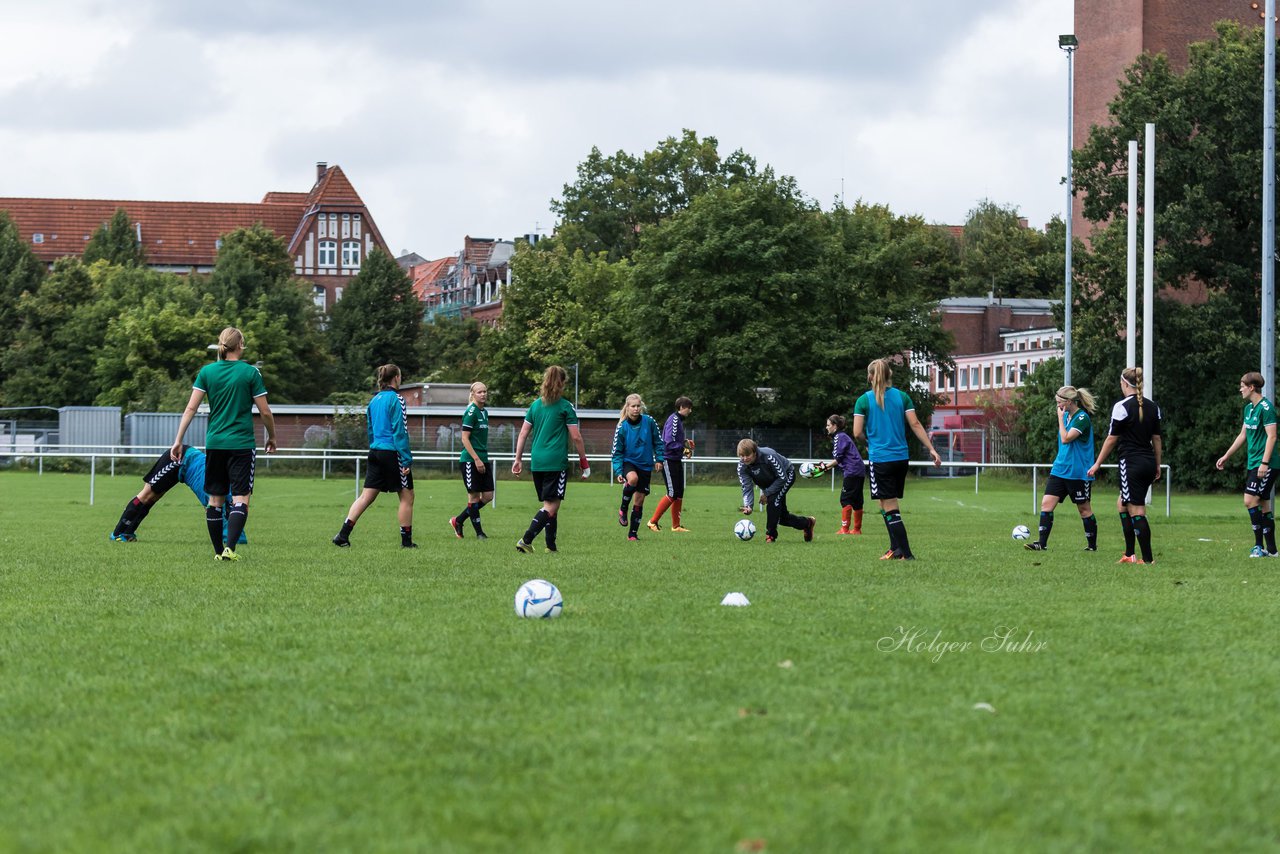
{"points": [[745, 529], [539, 599], [1022, 532]]}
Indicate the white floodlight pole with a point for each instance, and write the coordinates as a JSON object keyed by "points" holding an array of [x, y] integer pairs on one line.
{"points": [[1149, 265], [1131, 292], [1068, 43], [1269, 200]]}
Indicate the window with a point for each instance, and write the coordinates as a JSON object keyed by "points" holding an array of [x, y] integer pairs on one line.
{"points": [[999, 375], [38, 237], [942, 380], [328, 253], [986, 376], [351, 254], [973, 377], [355, 225], [317, 296], [964, 379]]}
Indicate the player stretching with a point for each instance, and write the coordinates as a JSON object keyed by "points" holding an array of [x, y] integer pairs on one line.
{"points": [[770, 470]]}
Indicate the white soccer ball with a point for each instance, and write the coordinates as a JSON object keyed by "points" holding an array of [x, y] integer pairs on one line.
{"points": [[538, 598], [808, 470], [1022, 532], [745, 529]]}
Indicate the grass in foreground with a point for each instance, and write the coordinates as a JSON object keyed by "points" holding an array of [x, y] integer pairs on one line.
{"points": [[313, 698]]}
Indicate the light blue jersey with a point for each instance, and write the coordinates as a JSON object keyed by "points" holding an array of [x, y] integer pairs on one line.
{"points": [[1075, 457], [886, 427]]}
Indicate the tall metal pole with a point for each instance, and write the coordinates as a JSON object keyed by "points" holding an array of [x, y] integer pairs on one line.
{"points": [[1131, 292], [1069, 45], [1149, 264], [1268, 349]]}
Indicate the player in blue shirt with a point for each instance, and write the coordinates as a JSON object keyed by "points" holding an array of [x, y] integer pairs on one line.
{"points": [[637, 451], [1069, 476], [163, 476], [390, 461], [883, 415]]}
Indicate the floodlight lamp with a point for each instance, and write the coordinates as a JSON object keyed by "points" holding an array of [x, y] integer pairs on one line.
{"points": [[1068, 41]]}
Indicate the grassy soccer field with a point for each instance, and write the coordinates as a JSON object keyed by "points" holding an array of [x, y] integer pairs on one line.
{"points": [[372, 699]]}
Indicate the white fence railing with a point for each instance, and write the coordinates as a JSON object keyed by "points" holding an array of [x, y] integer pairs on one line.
{"points": [[327, 456]]}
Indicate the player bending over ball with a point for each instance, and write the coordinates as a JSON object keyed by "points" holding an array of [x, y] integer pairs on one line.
{"points": [[637, 451], [1258, 435], [845, 456], [157, 482], [390, 466], [1070, 473], [772, 472], [675, 448], [477, 476]]}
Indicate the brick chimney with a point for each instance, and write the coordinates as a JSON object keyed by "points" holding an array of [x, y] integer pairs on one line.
{"points": [[321, 168]]}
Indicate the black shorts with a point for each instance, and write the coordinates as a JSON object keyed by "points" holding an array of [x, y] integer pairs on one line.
{"points": [[384, 472], [550, 484], [164, 475], [1077, 490], [888, 480], [643, 478], [851, 491], [673, 475], [229, 472], [1136, 476], [475, 481], [1262, 487]]}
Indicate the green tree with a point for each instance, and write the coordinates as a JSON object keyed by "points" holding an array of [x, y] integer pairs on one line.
{"points": [[616, 198], [999, 254], [115, 241], [252, 285], [451, 350], [377, 321], [1208, 221], [51, 357], [20, 272], [563, 307]]}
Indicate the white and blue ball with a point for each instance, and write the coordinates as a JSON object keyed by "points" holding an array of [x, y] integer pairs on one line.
{"points": [[808, 470], [538, 599], [745, 529], [1022, 532]]}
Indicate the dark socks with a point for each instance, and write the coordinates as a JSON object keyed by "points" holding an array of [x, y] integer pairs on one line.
{"points": [[553, 526], [627, 492], [134, 512], [540, 521], [347, 527], [1126, 525], [897, 533], [1090, 533], [1046, 526], [636, 513], [473, 510], [235, 523], [1142, 530], [406, 536], [1255, 520], [213, 521], [1268, 530]]}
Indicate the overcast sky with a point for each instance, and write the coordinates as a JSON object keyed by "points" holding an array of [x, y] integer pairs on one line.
{"points": [[455, 117]]}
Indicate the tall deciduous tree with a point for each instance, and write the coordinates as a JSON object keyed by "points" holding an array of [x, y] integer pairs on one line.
{"points": [[998, 253], [378, 320], [616, 198], [115, 241], [1208, 235], [20, 272]]}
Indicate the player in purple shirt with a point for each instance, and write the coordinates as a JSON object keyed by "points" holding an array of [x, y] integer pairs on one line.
{"points": [[845, 455], [675, 447]]}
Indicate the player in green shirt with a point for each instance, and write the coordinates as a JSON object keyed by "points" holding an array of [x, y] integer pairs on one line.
{"points": [[1258, 435], [233, 386], [552, 422], [477, 475]]}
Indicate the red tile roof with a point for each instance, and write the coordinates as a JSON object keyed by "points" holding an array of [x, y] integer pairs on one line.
{"points": [[425, 276]]}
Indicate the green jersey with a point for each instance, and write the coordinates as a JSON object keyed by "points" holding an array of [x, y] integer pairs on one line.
{"points": [[551, 422], [231, 386], [1257, 417], [475, 421]]}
